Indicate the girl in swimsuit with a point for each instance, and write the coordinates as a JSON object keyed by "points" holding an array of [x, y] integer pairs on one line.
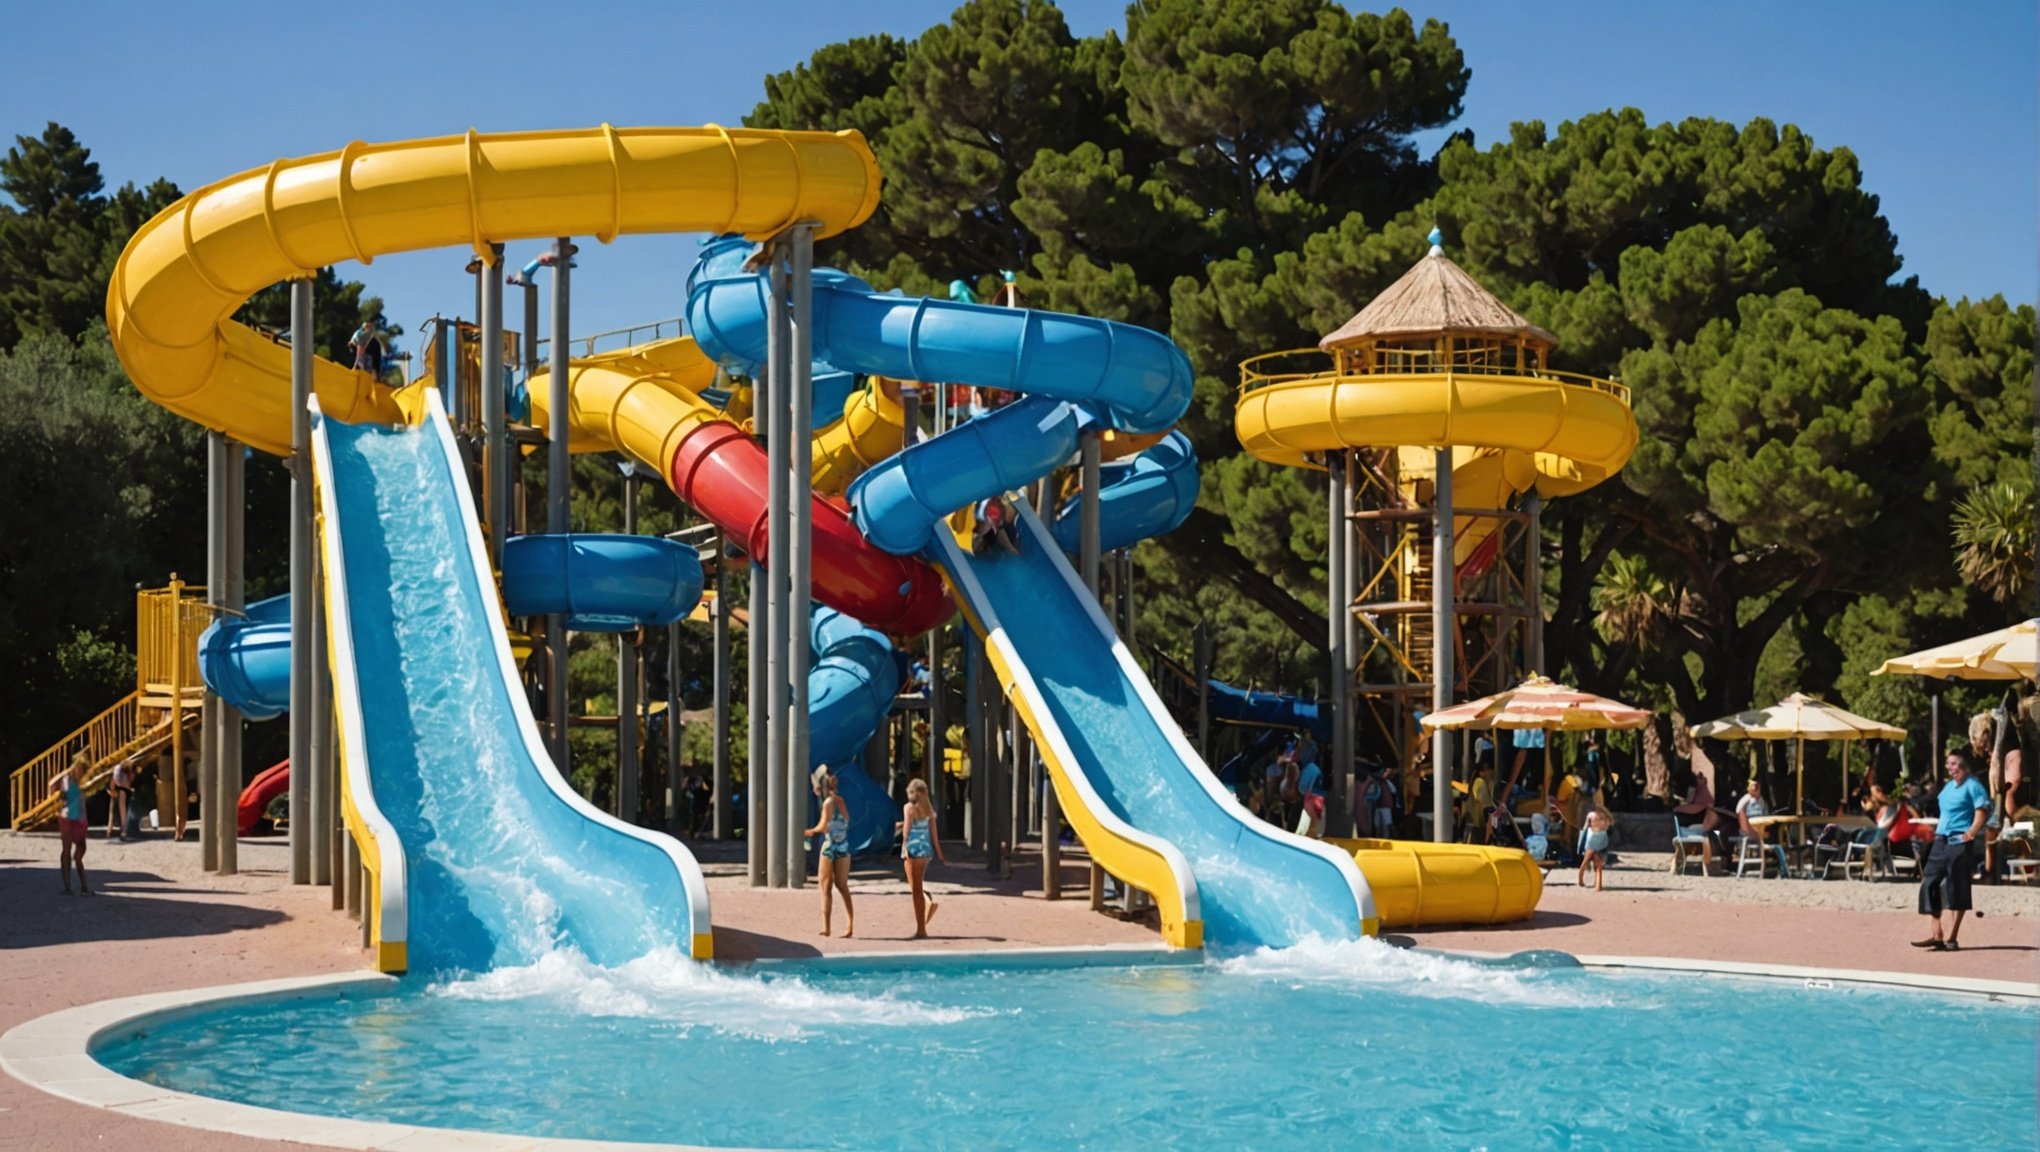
{"points": [[832, 871], [918, 846]]}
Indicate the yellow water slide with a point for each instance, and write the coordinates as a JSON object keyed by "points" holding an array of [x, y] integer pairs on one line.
{"points": [[1549, 432], [184, 273]]}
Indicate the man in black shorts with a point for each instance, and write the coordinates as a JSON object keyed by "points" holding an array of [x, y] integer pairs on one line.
{"points": [[1944, 882]]}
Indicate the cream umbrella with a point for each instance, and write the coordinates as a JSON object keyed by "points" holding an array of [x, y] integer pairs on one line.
{"points": [[2006, 654], [1543, 704], [1800, 718]]}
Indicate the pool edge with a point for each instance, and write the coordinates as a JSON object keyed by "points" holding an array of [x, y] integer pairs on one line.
{"points": [[53, 1052], [1917, 982]]}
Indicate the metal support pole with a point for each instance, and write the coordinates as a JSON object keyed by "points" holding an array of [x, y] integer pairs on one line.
{"points": [[1441, 647], [1016, 782], [350, 862], [757, 771], [1338, 680], [1087, 513], [784, 795], [301, 589], [720, 784], [629, 774], [231, 594], [676, 780], [1533, 583], [211, 776], [558, 494], [973, 741], [320, 795], [800, 503], [495, 428]]}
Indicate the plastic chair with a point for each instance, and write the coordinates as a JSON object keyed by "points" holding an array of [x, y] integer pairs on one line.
{"points": [[1751, 849], [1687, 845], [1854, 853]]}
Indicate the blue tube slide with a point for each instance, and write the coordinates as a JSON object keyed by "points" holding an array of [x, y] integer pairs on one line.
{"points": [[1266, 709], [603, 583], [245, 660], [1148, 495], [850, 691], [606, 583], [495, 860]]}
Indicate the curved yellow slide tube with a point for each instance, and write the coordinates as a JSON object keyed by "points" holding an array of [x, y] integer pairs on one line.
{"points": [[185, 272], [1576, 434], [1419, 885], [643, 401]]}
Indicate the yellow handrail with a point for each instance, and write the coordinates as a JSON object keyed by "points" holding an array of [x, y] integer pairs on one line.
{"points": [[1260, 372], [168, 622]]}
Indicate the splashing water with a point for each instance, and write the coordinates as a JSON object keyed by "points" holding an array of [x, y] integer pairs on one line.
{"points": [[666, 986], [1370, 964]]}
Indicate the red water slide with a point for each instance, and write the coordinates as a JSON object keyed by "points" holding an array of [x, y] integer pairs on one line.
{"points": [[255, 798]]}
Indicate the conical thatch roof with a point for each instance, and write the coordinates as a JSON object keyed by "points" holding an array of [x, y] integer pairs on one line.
{"points": [[1434, 298]]}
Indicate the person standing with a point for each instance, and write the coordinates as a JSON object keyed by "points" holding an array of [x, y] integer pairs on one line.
{"points": [[119, 791], [71, 825], [368, 350], [832, 870], [1944, 882], [920, 844]]}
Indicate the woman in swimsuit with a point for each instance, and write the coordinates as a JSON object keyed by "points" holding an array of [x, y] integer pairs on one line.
{"points": [[918, 846], [832, 871]]}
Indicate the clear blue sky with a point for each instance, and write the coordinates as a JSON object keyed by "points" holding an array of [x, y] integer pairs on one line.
{"points": [[1937, 100]]}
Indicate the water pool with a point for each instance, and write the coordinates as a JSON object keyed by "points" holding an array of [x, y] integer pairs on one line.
{"points": [[1318, 1047]]}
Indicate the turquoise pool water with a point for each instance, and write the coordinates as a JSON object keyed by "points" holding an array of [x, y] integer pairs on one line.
{"points": [[1318, 1047]]}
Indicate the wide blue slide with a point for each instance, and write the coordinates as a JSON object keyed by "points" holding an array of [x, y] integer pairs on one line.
{"points": [[487, 858]]}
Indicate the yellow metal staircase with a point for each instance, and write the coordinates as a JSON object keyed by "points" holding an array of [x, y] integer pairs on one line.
{"points": [[161, 713], [135, 727]]}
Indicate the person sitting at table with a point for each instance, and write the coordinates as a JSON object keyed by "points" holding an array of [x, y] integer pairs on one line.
{"points": [[1699, 810], [1903, 833]]}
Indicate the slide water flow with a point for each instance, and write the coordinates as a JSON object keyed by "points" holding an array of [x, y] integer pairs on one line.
{"points": [[505, 863]]}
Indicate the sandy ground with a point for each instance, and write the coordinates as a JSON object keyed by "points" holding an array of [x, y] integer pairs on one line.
{"points": [[162, 924]]}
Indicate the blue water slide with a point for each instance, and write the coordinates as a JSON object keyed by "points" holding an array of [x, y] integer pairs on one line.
{"points": [[1266, 709], [1093, 709], [245, 660], [486, 856], [602, 583], [1147, 495], [850, 691], [1246, 882]]}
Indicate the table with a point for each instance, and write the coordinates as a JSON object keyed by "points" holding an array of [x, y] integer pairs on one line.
{"points": [[1788, 825]]}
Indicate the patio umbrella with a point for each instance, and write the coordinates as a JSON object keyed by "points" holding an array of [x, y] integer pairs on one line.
{"points": [[1538, 703], [1799, 717], [2006, 654]]}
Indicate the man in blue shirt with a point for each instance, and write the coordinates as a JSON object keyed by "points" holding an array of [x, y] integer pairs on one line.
{"points": [[1944, 882]]}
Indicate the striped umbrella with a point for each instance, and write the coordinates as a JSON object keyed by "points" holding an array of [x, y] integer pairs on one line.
{"points": [[1540, 703]]}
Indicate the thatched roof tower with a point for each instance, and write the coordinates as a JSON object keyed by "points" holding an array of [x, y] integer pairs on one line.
{"points": [[1437, 318]]}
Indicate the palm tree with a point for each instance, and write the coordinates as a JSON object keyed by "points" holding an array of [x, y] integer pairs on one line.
{"points": [[1633, 605], [1994, 540]]}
